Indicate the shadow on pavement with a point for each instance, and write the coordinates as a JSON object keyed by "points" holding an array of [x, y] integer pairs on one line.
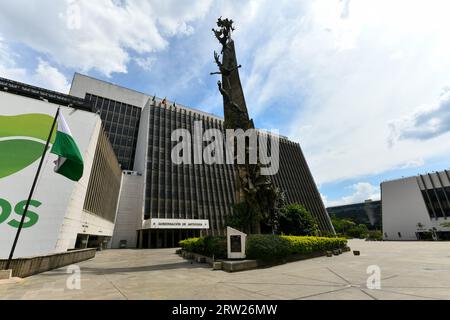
{"points": [[118, 270]]}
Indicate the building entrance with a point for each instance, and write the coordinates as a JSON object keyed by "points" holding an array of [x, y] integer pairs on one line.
{"points": [[159, 238]]}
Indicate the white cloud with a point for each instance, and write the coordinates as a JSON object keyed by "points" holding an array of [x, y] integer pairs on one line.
{"points": [[350, 77], [146, 63], [44, 75], [100, 35], [49, 77], [425, 124], [345, 69], [415, 163], [8, 67], [362, 191]]}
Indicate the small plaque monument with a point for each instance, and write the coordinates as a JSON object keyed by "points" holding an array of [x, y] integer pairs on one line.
{"points": [[236, 243]]}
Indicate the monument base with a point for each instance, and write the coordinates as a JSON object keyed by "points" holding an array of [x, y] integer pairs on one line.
{"points": [[5, 274]]}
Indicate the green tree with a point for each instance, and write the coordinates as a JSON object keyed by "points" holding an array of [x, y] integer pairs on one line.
{"points": [[243, 217], [360, 231], [341, 226], [297, 221]]}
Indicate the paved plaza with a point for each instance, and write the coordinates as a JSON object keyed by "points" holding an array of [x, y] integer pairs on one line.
{"points": [[409, 270]]}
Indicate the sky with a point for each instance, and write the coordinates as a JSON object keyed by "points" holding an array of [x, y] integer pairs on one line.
{"points": [[362, 85]]}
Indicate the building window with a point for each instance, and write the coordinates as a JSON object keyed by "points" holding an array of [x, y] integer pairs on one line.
{"points": [[116, 116]]}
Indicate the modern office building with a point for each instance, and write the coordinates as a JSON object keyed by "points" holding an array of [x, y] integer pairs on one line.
{"points": [[367, 212], [63, 215], [161, 202], [417, 208]]}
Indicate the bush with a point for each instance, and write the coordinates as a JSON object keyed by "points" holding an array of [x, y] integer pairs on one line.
{"points": [[297, 221], [208, 246], [360, 231], [215, 246], [342, 225], [264, 247], [195, 245], [314, 244], [375, 235], [267, 247]]}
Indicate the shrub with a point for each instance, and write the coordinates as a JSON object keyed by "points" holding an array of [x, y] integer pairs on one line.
{"points": [[314, 244], [375, 235], [264, 247], [243, 217], [360, 231], [342, 225], [208, 246], [267, 247], [297, 221], [195, 245], [215, 246]]}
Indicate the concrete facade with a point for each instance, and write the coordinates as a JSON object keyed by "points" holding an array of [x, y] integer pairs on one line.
{"points": [[130, 202], [26, 267], [59, 207], [415, 207], [185, 192]]}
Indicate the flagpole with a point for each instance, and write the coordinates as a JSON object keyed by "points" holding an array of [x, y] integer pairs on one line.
{"points": [[31, 192]]}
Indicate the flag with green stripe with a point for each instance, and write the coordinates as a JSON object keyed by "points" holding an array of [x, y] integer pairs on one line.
{"points": [[70, 162]]}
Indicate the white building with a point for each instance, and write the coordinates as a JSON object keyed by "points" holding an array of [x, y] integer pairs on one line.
{"points": [[162, 203], [417, 208], [63, 214]]}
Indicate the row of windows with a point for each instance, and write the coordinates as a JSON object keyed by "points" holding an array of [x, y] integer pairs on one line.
{"points": [[436, 202], [186, 194], [117, 117], [123, 128], [102, 104], [188, 211], [156, 123], [161, 113], [202, 205], [160, 120], [123, 153], [121, 123]]}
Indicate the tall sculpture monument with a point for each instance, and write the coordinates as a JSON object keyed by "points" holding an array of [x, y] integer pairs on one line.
{"points": [[256, 197]]}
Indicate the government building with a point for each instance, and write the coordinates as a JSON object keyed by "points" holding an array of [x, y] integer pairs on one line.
{"points": [[417, 208], [131, 194], [367, 212], [162, 203]]}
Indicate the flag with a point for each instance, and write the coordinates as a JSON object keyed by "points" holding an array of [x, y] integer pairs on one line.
{"points": [[70, 162]]}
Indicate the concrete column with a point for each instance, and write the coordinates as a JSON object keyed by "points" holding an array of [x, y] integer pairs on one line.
{"points": [[87, 242], [165, 239], [149, 238], [140, 235], [173, 238]]}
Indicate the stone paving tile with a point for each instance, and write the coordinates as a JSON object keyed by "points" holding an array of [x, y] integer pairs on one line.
{"points": [[409, 270], [339, 294]]}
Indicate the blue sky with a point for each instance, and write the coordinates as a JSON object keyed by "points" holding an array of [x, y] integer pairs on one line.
{"points": [[362, 85]]}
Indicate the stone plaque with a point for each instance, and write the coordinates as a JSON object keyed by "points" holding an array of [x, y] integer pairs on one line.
{"points": [[236, 243]]}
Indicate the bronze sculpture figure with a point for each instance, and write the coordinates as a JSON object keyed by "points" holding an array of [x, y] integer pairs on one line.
{"points": [[256, 193]]}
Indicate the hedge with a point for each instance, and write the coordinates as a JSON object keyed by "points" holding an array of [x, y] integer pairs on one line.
{"points": [[264, 247], [314, 244], [193, 245], [267, 247], [208, 246]]}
